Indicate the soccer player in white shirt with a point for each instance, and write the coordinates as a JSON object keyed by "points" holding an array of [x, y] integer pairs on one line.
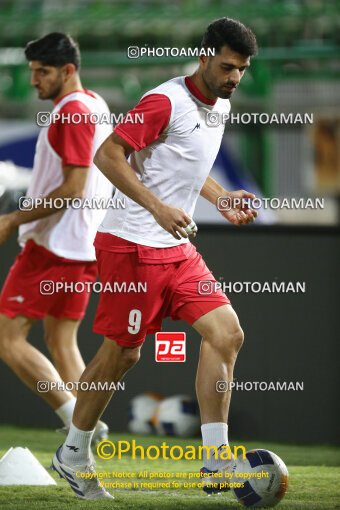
{"points": [[57, 243], [170, 157]]}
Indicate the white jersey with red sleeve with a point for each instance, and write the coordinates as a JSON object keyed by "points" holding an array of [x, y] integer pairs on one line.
{"points": [[70, 232], [175, 149]]}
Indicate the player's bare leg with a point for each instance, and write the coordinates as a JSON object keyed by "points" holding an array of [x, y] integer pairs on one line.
{"points": [[61, 339], [109, 364], [222, 339], [26, 361]]}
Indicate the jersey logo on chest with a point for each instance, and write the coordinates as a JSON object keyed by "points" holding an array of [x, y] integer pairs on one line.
{"points": [[198, 126]]}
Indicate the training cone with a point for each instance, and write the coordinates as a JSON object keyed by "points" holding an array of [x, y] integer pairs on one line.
{"points": [[19, 467]]}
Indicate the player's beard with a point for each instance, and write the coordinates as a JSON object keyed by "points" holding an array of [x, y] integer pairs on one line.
{"points": [[53, 91], [210, 82]]}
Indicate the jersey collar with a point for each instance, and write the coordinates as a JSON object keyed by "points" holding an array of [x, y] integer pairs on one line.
{"points": [[84, 91], [195, 92]]}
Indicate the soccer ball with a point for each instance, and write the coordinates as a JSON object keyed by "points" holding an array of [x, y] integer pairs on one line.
{"points": [[258, 490], [142, 410], [178, 416]]}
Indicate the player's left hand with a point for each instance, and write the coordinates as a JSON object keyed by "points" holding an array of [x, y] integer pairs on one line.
{"points": [[7, 227], [239, 213]]}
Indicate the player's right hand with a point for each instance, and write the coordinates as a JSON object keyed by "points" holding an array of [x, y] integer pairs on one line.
{"points": [[173, 220]]}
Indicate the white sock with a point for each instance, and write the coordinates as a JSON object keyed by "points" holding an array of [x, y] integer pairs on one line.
{"points": [[214, 434], [65, 412], [77, 447]]}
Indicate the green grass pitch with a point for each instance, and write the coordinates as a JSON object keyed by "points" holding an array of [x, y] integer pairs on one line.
{"points": [[314, 477]]}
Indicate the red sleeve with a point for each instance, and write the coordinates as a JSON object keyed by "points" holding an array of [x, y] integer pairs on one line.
{"points": [[155, 110], [73, 141]]}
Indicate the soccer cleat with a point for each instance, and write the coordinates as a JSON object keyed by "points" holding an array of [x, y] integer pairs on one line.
{"points": [[216, 484], [84, 488], [100, 433]]}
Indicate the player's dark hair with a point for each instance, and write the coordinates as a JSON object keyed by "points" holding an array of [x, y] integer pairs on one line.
{"points": [[55, 50], [232, 33]]}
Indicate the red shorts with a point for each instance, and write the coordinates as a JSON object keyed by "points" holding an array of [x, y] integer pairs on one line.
{"points": [[28, 289], [139, 290]]}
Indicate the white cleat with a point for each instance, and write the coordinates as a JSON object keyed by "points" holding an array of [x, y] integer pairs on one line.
{"points": [[101, 432], [85, 488]]}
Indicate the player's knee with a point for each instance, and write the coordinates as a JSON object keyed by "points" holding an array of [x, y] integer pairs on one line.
{"points": [[13, 338], [49, 341], [6, 340], [58, 353], [228, 341], [129, 357], [5, 346], [60, 346], [9, 347], [237, 339], [56, 347], [232, 342]]}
